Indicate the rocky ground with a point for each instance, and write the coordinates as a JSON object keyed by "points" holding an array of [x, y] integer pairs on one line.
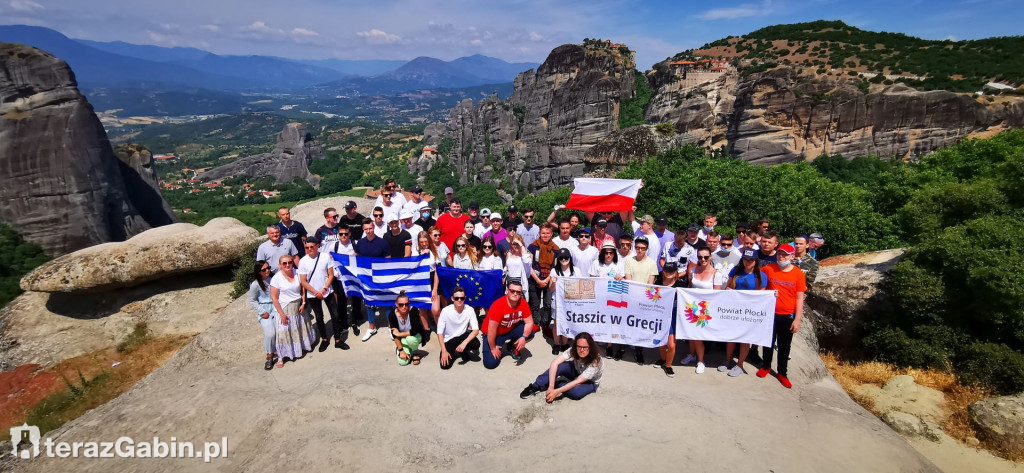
{"points": [[358, 410]]}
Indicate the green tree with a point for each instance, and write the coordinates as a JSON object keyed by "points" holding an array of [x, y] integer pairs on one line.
{"points": [[18, 259]]}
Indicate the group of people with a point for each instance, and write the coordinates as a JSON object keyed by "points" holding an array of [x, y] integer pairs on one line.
{"points": [[292, 290]]}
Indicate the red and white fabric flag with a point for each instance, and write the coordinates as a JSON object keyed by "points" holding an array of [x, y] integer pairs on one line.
{"points": [[599, 194]]}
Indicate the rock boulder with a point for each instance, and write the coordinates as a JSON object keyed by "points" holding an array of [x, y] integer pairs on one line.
{"points": [[1000, 420], [154, 254], [848, 288]]}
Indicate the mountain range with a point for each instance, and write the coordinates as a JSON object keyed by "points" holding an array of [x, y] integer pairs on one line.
{"points": [[148, 67]]}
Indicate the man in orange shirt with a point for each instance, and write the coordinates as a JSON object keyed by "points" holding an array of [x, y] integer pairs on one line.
{"points": [[789, 284]]}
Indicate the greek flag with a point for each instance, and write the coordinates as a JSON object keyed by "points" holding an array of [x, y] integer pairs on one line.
{"points": [[618, 287], [379, 280]]}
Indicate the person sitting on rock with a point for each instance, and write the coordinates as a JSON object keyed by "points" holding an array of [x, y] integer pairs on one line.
{"points": [[259, 298], [509, 324], [576, 372], [457, 329], [295, 333], [275, 247], [406, 331]]}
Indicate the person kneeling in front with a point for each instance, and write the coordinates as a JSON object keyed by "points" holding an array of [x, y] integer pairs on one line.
{"points": [[406, 331], [509, 323], [457, 329], [575, 372]]}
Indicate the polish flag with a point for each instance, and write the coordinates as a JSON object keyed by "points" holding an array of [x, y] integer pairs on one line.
{"points": [[599, 194]]}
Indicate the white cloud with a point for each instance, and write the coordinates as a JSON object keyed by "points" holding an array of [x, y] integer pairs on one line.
{"points": [[745, 10], [476, 42], [536, 37], [376, 36], [213, 28], [26, 6], [304, 32], [261, 27]]}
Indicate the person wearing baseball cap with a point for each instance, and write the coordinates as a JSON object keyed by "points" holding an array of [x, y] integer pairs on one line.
{"points": [[789, 284], [425, 218], [665, 236], [499, 234], [400, 241], [512, 221], [449, 194], [484, 225], [353, 220], [747, 275], [405, 222], [415, 201]]}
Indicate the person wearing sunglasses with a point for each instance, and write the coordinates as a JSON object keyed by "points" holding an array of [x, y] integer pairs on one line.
{"points": [[259, 298], [316, 274], [406, 331], [380, 226], [295, 332], [749, 276], [464, 256], [457, 328], [327, 234], [543, 253], [667, 353], [442, 250], [388, 201], [528, 230], [490, 259], [576, 372], [345, 246], [702, 276], [518, 262], [397, 197], [563, 268], [509, 324]]}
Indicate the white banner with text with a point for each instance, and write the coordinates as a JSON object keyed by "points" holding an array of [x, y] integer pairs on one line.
{"points": [[613, 311], [726, 316]]}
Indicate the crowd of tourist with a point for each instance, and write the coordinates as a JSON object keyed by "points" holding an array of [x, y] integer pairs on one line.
{"points": [[294, 293]]}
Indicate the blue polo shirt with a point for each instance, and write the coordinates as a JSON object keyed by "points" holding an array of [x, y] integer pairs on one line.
{"points": [[378, 248]]}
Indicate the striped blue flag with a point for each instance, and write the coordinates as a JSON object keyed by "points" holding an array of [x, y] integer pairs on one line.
{"points": [[379, 280]]}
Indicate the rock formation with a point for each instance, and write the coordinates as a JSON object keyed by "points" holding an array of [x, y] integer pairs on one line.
{"points": [[141, 179], [154, 254], [1000, 420], [535, 140], [63, 188], [561, 122], [786, 116], [295, 151], [846, 290]]}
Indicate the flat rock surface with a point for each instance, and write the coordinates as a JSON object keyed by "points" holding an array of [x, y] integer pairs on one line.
{"points": [[358, 410], [153, 254], [46, 328]]}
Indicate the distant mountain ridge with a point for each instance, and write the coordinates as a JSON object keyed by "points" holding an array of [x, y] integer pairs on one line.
{"points": [[119, 64]]}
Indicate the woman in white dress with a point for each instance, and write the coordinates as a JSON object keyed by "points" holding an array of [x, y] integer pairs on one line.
{"points": [[702, 276], [295, 333]]}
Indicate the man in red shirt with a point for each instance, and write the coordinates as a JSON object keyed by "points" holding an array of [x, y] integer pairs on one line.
{"points": [[452, 223], [789, 285], [509, 323]]}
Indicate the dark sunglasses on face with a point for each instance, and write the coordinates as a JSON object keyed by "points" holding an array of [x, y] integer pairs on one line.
{"points": [[378, 215], [726, 245], [344, 234], [402, 304], [528, 216], [388, 195], [436, 235], [641, 248], [332, 217], [563, 259], [625, 245], [518, 293], [285, 263], [267, 268], [458, 298], [460, 245], [702, 258], [488, 247]]}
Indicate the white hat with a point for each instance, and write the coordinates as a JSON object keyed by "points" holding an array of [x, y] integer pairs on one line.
{"points": [[405, 214], [424, 206], [390, 218], [495, 216]]}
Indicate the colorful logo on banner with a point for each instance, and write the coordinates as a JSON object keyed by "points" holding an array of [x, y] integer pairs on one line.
{"points": [[653, 293], [622, 289], [698, 313]]}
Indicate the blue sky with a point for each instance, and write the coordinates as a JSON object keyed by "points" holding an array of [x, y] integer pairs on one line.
{"points": [[514, 30]]}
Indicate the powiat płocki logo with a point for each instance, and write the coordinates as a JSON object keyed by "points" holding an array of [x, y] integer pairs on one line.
{"points": [[653, 293], [25, 441], [698, 313]]}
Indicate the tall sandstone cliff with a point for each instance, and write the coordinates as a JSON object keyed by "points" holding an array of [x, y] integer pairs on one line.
{"points": [[294, 152], [535, 140], [785, 116], [61, 185], [570, 117]]}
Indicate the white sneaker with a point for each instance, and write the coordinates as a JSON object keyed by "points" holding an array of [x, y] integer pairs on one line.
{"points": [[369, 334], [736, 371], [689, 359], [700, 367]]}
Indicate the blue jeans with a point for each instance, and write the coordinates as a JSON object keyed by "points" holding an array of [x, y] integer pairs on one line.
{"points": [[566, 370], [489, 361]]}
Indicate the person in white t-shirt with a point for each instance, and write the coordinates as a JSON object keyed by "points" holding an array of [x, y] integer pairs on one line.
{"points": [[607, 264], [564, 238], [584, 255], [518, 263], [484, 225], [396, 195], [405, 220], [490, 259], [722, 259], [645, 227], [295, 332], [581, 365], [414, 204], [316, 273], [457, 328], [379, 225]]}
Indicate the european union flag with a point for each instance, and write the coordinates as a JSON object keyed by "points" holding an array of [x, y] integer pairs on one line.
{"points": [[482, 287]]}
